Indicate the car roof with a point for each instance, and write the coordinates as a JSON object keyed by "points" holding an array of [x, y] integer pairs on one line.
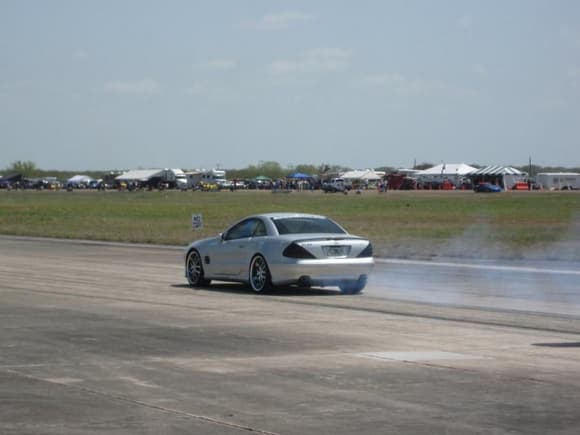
{"points": [[282, 215]]}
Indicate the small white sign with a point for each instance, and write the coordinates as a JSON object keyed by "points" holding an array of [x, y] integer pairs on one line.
{"points": [[196, 221]]}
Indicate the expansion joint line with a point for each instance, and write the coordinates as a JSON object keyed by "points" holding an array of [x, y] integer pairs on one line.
{"points": [[126, 399]]}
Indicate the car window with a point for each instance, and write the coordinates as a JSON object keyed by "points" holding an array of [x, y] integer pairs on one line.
{"points": [[259, 229], [241, 230], [245, 229], [307, 225]]}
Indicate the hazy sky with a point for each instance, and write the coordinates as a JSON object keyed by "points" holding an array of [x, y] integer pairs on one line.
{"points": [[123, 84]]}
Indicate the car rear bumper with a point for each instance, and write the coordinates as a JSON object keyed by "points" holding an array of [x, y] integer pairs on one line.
{"points": [[321, 272]]}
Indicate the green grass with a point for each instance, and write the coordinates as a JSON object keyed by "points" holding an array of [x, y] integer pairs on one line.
{"points": [[398, 223]]}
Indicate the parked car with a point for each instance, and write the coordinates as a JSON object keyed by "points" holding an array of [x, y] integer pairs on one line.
{"points": [[273, 249], [487, 188], [336, 185]]}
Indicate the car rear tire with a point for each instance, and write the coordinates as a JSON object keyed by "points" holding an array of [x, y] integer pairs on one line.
{"points": [[353, 287], [194, 270], [259, 274]]}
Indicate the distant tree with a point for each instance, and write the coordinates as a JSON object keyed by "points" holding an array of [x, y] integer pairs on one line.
{"points": [[242, 174], [387, 169], [270, 169], [327, 168], [274, 170], [423, 166], [305, 169], [536, 169], [264, 168], [27, 168]]}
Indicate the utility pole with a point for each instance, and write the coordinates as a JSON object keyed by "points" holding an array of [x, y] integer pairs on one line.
{"points": [[530, 174]]}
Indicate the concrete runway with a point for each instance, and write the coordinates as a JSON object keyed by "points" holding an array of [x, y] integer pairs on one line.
{"points": [[98, 338]]}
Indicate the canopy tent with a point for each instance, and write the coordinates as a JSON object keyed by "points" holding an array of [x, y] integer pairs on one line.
{"points": [[447, 170], [505, 176], [299, 176], [445, 173], [363, 175], [498, 170]]}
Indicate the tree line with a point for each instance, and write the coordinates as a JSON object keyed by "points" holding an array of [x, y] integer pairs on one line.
{"points": [[270, 169]]}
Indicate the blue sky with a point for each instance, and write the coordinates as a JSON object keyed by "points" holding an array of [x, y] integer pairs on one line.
{"points": [[124, 84]]}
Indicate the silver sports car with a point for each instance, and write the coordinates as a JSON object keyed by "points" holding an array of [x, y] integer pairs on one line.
{"points": [[282, 249]]}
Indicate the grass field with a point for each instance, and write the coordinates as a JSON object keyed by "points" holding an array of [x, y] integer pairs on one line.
{"points": [[401, 224]]}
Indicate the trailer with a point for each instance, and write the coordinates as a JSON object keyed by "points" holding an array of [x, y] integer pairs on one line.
{"points": [[558, 180], [216, 177], [168, 179]]}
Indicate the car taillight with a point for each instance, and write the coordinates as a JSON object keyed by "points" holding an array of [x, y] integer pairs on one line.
{"points": [[366, 252], [296, 251]]}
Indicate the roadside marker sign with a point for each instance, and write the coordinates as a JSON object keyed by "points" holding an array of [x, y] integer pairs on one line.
{"points": [[196, 221]]}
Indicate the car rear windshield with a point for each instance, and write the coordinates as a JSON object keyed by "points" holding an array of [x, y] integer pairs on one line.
{"points": [[307, 225]]}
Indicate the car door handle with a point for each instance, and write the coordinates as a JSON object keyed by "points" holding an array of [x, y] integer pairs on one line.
{"points": [[241, 246]]}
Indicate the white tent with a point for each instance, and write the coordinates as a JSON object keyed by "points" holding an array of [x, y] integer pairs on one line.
{"points": [[506, 176], [498, 170], [363, 175], [448, 170], [453, 172]]}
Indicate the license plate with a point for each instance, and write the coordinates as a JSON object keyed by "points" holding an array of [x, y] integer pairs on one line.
{"points": [[336, 251]]}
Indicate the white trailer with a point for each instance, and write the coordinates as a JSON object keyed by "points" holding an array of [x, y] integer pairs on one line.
{"points": [[213, 176], [558, 180], [175, 178], [193, 178]]}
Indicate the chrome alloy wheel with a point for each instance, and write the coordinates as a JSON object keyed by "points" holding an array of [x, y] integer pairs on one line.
{"points": [[259, 274], [194, 269]]}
